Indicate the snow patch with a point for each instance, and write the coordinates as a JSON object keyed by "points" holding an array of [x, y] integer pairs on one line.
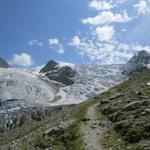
{"points": [[63, 64]]}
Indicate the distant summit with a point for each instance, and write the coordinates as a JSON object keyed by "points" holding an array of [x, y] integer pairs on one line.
{"points": [[3, 63], [138, 63]]}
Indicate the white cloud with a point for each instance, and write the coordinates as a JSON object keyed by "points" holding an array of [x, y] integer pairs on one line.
{"points": [[53, 41], [105, 33], [35, 43], [107, 17], [102, 43], [23, 60], [107, 52], [138, 47], [75, 41], [101, 5], [60, 49], [143, 6]]}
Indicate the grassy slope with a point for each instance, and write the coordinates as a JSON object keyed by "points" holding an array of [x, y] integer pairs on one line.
{"points": [[131, 123]]}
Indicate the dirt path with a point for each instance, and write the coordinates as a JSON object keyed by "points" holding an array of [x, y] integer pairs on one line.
{"points": [[91, 131]]}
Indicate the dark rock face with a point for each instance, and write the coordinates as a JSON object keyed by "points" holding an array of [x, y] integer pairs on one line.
{"points": [[61, 74], [142, 57], [137, 63], [3, 63]]}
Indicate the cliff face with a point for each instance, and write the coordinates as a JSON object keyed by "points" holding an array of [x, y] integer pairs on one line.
{"points": [[3, 63]]}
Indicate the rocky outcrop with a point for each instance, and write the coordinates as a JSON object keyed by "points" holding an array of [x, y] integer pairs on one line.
{"points": [[3, 63], [134, 105], [137, 63], [54, 71]]}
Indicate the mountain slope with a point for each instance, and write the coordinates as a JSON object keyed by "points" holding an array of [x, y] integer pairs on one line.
{"points": [[126, 106]]}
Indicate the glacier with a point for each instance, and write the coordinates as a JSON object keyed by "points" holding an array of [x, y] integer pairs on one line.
{"points": [[90, 80], [25, 89], [31, 87]]}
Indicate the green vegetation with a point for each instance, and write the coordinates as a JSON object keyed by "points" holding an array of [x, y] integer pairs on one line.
{"points": [[127, 106]]}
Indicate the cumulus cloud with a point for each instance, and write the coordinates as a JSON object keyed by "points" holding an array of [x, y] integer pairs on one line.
{"points": [[75, 41], [24, 60], [102, 43], [107, 17], [53, 41], [143, 6], [105, 33], [101, 5], [35, 43], [105, 52], [60, 49]]}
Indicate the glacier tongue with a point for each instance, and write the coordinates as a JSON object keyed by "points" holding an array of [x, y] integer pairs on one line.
{"points": [[19, 84]]}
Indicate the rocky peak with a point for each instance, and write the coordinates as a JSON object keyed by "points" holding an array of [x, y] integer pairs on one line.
{"points": [[59, 71], [141, 58], [139, 62], [3, 63]]}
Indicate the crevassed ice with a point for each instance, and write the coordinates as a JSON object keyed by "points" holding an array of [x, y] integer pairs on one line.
{"points": [[18, 84]]}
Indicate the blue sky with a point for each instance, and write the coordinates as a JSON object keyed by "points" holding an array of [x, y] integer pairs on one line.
{"points": [[77, 31]]}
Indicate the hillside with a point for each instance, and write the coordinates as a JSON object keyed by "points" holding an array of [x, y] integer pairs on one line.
{"points": [[127, 106]]}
